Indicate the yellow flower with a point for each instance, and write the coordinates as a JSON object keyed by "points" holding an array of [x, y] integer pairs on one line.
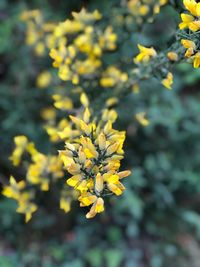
{"points": [[84, 100], [54, 54], [145, 54], [109, 115], [117, 189], [43, 79], [40, 49], [159, 5], [192, 6], [65, 204], [197, 60], [48, 114], [98, 183], [74, 180], [67, 27], [29, 14], [85, 16], [186, 21], [191, 52], [59, 131], [108, 39], [194, 26], [143, 10], [140, 117], [39, 172], [26, 207], [191, 21], [111, 101], [14, 189], [168, 81], [39, 168], [64, 73], [62, 102], [88, 66], [17, 191], [20, 146], [123, 174], [172, 56], [112, 76], [97, 207], [87, 199], [190, 46], [36, 173]]}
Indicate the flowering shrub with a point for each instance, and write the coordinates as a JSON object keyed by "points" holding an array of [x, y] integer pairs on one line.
{"points": [[83, 51]]}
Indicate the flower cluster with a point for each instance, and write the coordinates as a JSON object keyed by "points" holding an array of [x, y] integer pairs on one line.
{"points": [[191, 21], [80, 46], [147, 55], [41, 165], [92, 158], [24, 198], [40, 172], [38, 32], [112, 76], [76, 45], [146, 8], [191, 25]]}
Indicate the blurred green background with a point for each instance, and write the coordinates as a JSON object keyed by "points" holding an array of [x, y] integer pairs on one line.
{"points": [[156, 223]]}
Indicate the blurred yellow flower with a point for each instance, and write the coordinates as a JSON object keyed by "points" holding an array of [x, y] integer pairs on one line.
{"points": [[173, 56], [20, 146], [44, 79], [168, 81], [141, 118]]}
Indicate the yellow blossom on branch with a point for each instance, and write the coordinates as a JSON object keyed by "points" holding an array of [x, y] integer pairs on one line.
{"points": [[20, 146], [192, 52], [141, 118], [26, 206], [190, 46], [192, 20], [48, 113], [168, 81], [145, 54], [14, 189], [18, 191], [44, 79], [41, 170], [141, 9], [172, 56], [62, 102], [112, 76]]}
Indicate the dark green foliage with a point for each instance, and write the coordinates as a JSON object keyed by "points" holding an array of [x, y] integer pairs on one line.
{"points": [[160, 208]]}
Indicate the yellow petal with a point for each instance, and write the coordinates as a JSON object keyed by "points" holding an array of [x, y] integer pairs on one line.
{"points": [[123, 174], [84, 100], [74, 180], [98, 183], [99, 205]]}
